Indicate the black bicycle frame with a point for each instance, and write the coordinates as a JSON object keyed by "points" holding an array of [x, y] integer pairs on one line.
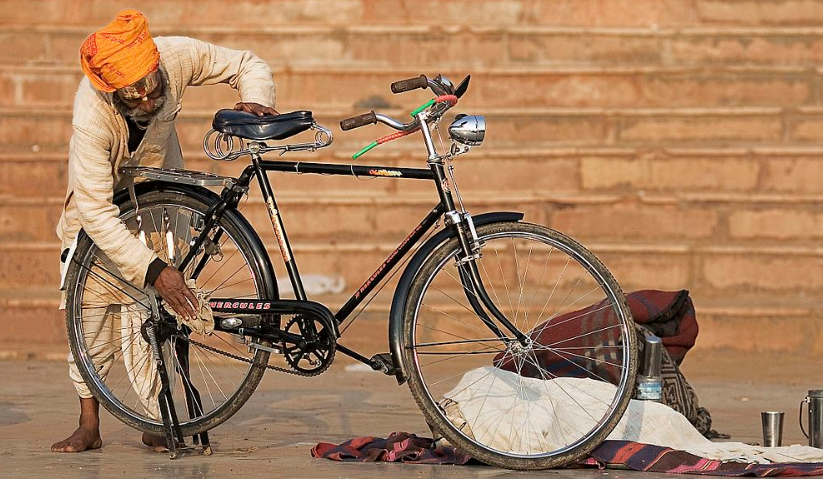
{"points": [[261, 167], [436, 172]]}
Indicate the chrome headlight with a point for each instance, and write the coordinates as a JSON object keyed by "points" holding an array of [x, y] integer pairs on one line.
{"points": [[468, 129]]}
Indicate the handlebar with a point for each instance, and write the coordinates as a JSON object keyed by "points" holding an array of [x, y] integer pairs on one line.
{"points": [[440, 86], [446, 96], [369, 118], [410, 84]]}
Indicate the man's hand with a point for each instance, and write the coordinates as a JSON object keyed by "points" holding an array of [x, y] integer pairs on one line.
{"points": [[256, 108], [172, 287]]}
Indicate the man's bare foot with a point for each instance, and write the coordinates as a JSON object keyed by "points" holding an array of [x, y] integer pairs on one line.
{"points": [[157, 443], [84, 438]]}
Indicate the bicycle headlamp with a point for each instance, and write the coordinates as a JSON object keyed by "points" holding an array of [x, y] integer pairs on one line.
{"points": [[468, 129]]}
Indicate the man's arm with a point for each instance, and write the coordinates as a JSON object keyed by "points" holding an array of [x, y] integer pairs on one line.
{"points": [[99, 217], [241, 69]]}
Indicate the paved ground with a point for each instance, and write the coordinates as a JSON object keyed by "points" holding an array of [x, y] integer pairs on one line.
{"points": [[273, 434]]}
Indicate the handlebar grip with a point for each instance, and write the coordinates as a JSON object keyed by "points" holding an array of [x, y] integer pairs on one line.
{"points": [[410, 84], [358, 121]]}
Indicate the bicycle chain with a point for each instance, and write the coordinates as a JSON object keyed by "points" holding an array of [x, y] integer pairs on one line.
{"points": [[249, 361]]}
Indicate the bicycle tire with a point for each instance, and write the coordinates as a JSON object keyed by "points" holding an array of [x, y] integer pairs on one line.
{"points": [[441, 323], [236, 230]]}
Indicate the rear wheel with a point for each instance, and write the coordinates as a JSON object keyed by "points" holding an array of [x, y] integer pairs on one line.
{"points": [[105, 314], [539, 405]]}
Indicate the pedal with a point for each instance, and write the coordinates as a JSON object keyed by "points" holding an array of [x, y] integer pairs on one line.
{"points": [[275, 349], [383, 362]]}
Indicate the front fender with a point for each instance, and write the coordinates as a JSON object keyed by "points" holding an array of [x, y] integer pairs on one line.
{"points": [[398, 305]]}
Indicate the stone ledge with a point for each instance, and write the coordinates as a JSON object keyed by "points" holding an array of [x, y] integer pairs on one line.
{"points": [[161, 29]]}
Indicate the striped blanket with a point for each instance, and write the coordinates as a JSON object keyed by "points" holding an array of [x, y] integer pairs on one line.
{"points": [[411, 449]]}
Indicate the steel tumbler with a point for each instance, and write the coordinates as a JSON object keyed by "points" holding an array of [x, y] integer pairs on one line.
{"points": [[772, 428]]}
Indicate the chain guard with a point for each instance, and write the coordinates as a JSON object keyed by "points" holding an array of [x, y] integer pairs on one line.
{"points": [[309, 357]]}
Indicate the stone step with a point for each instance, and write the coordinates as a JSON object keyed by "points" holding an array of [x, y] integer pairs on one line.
{"points": [[36, 328], [467, 46], [747, 271], [366, 86], [36, 129], [776, 175], [335, 219], [691, 219], [570, 13], [789, 174]]}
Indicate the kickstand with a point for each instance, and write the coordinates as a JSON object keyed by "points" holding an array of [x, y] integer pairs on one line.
{"points": [[174, 436], [193, 401], [202, 438]]}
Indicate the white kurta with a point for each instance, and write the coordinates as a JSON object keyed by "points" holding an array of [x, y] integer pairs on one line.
{"points": [[99, 143], [98, 148]]}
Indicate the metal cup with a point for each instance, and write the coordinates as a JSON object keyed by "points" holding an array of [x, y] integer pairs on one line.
{"points": [[772, 428]]}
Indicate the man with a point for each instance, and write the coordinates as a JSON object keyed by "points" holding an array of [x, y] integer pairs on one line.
{"points": [[124, 113]]}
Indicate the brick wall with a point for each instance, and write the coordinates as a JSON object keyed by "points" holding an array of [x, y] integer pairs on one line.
{"points": [[679, 139]]}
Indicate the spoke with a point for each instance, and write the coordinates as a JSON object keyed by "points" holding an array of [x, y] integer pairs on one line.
{"points": [[99, 276], [452, 353], [432, 328], [549, 396], [556, 283], [452, 317], [522, 285], [560, 385], [162, 237], [600, 361], [490, 282], [519, 282], [451, 358], [225, 280], [203, 365], [225, 262], [236, 350], [443, 343], [549, 325], [129, 371], [578, 299], [503, 276], [205, 381], [582, 335], [540, 281], [231, 285]]}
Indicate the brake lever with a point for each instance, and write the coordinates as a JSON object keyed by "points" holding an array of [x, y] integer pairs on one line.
{"points": [[462, 87], [438, 88]]}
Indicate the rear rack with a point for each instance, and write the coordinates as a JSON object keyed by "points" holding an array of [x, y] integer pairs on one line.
{"points": [[179, 176]]}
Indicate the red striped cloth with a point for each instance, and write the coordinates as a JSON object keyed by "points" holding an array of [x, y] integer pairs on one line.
{"points": [[409, 448]]}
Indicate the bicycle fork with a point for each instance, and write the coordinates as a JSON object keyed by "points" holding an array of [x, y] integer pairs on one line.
{"points": [[472, 283], [469, 242]]}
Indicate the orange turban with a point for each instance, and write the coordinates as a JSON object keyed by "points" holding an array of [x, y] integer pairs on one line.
{"points": [[121, 53]]}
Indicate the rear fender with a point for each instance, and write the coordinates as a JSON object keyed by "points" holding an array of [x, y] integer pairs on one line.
{"points": [[260, 255]]}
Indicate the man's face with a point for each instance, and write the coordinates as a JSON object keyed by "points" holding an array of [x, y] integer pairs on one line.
{"points": [[143, 99]]}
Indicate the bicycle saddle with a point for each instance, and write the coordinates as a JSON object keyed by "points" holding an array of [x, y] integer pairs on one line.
{"points": [[252, 127]]}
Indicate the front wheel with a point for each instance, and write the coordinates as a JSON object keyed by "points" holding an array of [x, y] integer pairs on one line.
{"points": [[537, 405]]}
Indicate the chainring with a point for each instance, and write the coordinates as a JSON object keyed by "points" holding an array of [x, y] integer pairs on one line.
{"points": [[309, 357]]}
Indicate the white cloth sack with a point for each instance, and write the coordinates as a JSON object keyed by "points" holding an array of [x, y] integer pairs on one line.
{"points": [[546, 412]]}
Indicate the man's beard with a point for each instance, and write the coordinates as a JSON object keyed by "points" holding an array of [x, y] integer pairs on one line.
{"points": [[139, 115]]}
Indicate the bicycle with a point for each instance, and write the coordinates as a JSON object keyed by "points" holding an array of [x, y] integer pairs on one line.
{"points": [[471, 309]]}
